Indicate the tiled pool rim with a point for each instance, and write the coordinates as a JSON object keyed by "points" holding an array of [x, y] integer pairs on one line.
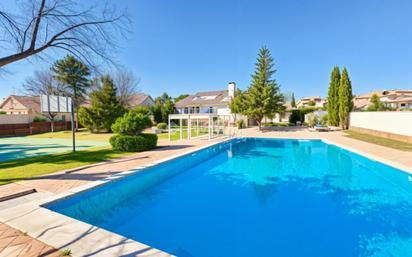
{"points": [[80, 230]]}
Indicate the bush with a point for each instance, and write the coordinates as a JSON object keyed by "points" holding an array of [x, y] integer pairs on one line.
{"points": [[132, 123], [240, 124], [324, 120], [137, 143], [312, 119], [39, 119], [162, 125], [3, 112], [298, 115]]}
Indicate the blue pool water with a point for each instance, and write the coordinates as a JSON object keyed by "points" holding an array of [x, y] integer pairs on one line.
{"points": [[258, 197]]}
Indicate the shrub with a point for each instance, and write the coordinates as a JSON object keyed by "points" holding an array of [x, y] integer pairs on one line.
{"points": [[324, 119], [39, 119], [312, 119], [299, 114], [240, 124], [3, 112], [162, 125], [136, 143], [132, 123]]}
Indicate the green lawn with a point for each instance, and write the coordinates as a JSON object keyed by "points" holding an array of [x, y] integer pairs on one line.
{"points": [[12, 171], [15, 170], [176, 134], [380, 141], [82, 134]]}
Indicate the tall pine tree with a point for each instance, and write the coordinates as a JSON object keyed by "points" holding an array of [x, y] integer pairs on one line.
{"points": [[333, 97], [263, 97], [105, 107], [345, 99], [293, 101], [74, 75]]}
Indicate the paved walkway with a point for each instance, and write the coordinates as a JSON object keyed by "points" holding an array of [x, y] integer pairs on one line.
{"points": [[15, 243]]}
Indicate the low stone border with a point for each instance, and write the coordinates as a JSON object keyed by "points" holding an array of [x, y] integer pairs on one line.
{"points": [[17, 194]]}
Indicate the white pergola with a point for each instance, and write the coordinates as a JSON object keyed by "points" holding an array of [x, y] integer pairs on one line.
{"points": [[198, 117]]}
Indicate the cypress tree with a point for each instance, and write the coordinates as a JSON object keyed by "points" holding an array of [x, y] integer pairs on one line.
{"points": [[333, 97], [345, 99], [293, 101]]}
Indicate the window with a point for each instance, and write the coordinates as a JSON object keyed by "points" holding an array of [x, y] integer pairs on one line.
{"points": [[210, 109], [186, 111]]}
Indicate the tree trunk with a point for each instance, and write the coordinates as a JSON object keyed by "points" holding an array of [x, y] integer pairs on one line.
{"points": [[259, 122]]}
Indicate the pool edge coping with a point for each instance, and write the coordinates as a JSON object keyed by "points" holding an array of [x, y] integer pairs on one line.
{"points": [[41, 227]]}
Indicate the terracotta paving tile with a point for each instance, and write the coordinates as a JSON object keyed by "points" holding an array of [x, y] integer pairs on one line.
{"points": [[21, 239], [5, 242], [12, 251]]}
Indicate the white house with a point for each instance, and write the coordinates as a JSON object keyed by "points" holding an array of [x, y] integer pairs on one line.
{"points": [[212, 102]]}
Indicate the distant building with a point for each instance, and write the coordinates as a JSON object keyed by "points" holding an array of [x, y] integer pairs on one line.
{"points": [[135, 100], [140, 99], [311, 101], [396, 99], [27, 105], [212, 102]]}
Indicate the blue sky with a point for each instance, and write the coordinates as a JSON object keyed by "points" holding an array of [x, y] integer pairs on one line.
{"points": [[180, 46]]}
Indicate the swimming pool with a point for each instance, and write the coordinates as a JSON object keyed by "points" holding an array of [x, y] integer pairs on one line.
{"points": [[258, 197]]}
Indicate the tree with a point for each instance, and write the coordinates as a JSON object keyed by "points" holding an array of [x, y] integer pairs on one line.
{"points": [[377, 105], [87, 32], [161, 100], [156, 111], [236, 105], [75, 76], [311, 103], [42, 82], [132, 123], [181, 97], [126, 84], [345, 99], [164, 106], [168, 108], [105, 107], [263, 97], [333, 97], [293, 101]]}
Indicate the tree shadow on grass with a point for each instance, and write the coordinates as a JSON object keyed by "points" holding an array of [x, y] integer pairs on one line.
{"points": [[34, 167]]}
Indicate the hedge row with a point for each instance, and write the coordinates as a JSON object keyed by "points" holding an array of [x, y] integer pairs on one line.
{"points": [[138, 143]]}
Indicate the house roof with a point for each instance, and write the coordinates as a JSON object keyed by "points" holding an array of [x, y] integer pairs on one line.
{"points": [[392, 96], [134, 100], [381, 93], [308, 98], [210, 98], [29, 102], [138, 99]]}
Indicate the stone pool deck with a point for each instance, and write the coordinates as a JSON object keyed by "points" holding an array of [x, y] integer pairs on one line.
{"points": [[22, 212]]}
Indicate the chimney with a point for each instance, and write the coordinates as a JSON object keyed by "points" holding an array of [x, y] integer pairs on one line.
{"points": [[231, 89]]}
